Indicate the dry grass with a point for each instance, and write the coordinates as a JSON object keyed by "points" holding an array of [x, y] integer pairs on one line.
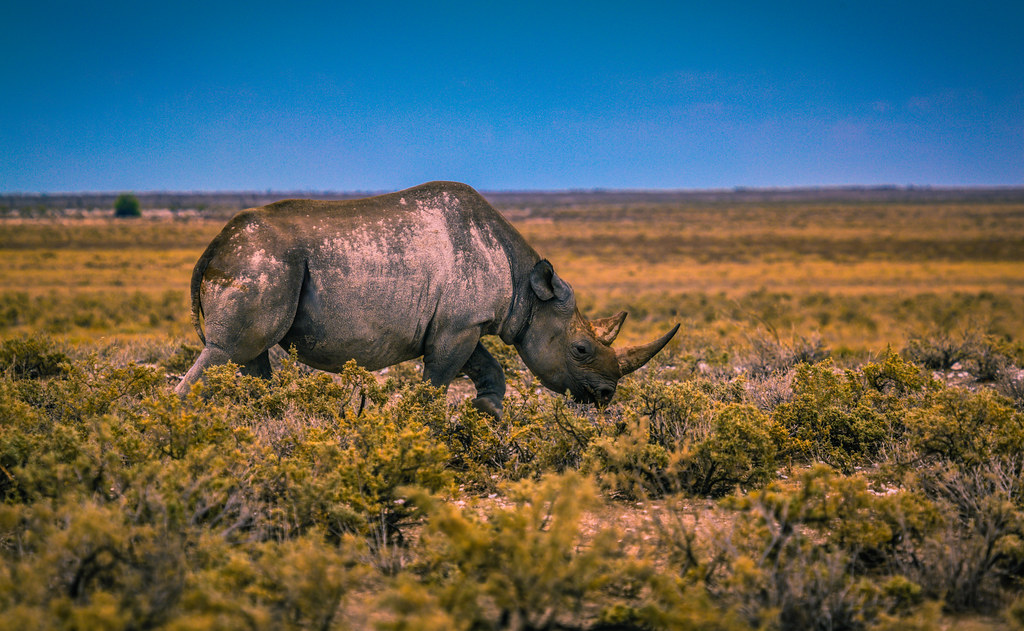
{"points": [[860, 275]]}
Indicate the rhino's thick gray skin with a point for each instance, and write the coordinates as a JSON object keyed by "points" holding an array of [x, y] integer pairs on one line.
{"points": [[423, 272]]}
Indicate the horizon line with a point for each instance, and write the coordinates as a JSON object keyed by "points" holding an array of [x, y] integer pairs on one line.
{"points": [[540, 191]]}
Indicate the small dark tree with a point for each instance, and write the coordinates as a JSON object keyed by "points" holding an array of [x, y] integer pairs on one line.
{"points": [[127, 205]]}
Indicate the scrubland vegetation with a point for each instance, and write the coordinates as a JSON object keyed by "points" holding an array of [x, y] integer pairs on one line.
{"points": [[833, 441]]}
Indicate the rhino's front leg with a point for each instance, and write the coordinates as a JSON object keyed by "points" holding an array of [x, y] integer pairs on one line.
{"points": [[449, 354], [446, 353], [489, 379]]}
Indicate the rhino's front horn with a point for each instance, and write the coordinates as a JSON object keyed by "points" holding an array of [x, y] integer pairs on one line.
{"points": [[636, 356]]}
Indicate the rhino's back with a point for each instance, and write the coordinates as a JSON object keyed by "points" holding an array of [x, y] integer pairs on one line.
{"points": [[384, 273]]}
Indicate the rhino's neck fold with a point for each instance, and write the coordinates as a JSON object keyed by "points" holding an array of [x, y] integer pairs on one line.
{"points": [[520, 311], [516, 322], [521, 259]]}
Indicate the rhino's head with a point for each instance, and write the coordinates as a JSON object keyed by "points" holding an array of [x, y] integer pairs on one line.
{"points": [[568, 352]]}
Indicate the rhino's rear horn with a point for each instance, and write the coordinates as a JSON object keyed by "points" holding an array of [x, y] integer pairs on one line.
{"points": [[636, 356], [607, 329]]}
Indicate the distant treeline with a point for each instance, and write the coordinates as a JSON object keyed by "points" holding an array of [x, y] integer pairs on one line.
{"points": [[174, 201], [218, 202]]}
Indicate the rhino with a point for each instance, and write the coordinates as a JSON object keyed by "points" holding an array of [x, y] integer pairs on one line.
{"points": [[426, 271]]}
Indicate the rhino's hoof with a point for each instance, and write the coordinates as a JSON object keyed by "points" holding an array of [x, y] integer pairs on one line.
{"points": [[488, 406]]}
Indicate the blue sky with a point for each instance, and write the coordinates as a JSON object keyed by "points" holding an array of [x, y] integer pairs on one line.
{"points": [[112, 96]]}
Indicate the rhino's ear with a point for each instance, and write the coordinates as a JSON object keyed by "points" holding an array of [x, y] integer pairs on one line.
{"points": [[546, 283], [607, 329]]}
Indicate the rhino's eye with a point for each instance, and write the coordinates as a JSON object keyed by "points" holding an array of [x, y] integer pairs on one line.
{"points": [[581, 349]]}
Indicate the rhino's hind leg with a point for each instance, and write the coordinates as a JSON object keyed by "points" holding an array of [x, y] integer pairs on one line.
{"points": [[489, 379], [245, 317], [259, 367], [210, 356]]}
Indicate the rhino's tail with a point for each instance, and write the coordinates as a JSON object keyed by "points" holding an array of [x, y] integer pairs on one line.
{"points": [[197, 282]]}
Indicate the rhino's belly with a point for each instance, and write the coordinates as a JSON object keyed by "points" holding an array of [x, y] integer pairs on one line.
{"points": [[330, 330]]}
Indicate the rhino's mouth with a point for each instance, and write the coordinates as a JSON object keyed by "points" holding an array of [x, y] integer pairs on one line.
{"points": [[600, 395]]}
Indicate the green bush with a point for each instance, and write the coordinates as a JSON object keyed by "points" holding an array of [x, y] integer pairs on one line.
{"points": [[796, 556], [975, 558], [845, 419], [335, 453], [893, 375], [769, 355], [823, 421], [88, 564], [523, 566], [536, 435], [479, 445], [675, 412], [182, 359], [937, 351], [741, 451], [31, 358], [967, 429], [677, 437], [127, 205], [1011, 386], [627, 463], [292, 584], [131, 507], [315, 500], [983, 356]]}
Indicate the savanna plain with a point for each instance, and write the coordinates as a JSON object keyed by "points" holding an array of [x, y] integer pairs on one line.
{"points": [[834, 439]]}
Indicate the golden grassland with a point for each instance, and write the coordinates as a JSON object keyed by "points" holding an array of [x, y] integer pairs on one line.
{"points": [[742, 482], [850, 273]]}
